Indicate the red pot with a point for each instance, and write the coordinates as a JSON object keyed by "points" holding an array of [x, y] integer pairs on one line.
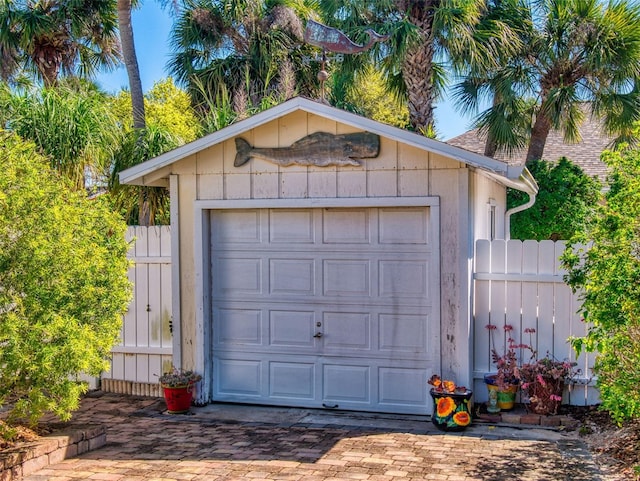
{"points": [[178, 398]]}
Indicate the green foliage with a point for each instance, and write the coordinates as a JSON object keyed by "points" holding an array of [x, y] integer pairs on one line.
{"points": [[141, 205], [167, 108], [57, 38], [566, 198], [373, 100], [63, 284], [608, 275], [71, 125], [252, 49]]}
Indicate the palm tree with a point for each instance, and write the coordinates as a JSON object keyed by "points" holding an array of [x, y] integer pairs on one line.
{"points": [[131, 62], [54, 38], [577, 53], [71, 126], [250, 49], [141, 205], [423, 33]]}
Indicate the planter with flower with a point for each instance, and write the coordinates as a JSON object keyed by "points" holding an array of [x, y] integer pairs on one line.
{"points": [[451, 410], [543, 382], [503, 385], [178, 386]]}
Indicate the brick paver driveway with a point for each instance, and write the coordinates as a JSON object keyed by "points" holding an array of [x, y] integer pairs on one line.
{"points": [[144, 444]]}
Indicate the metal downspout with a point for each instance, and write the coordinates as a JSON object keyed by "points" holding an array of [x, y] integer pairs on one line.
{"points": [[515, 210]]}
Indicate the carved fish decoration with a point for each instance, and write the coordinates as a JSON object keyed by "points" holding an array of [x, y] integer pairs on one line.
{"points": [[334, 40], [320, 149]]}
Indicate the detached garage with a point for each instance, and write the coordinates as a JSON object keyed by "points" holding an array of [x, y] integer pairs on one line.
{"points": [[321, 259]]}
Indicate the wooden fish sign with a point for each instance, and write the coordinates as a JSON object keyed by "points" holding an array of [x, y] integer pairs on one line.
{"points": [[333, 40], [320, 149]]}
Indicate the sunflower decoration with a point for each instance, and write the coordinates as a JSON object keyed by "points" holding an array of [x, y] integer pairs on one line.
{"points": [[462, 418], [451, 404], [445, 406]]}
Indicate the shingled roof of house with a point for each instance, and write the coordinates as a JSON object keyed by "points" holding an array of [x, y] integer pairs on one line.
{"points": [[585, 153]]}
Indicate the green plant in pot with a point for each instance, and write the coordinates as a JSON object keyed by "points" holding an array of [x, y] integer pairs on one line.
{"points": [[178, 385]]}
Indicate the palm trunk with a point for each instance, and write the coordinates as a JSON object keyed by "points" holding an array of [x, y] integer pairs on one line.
{"points": [[131, 62], [417, 70], [539, 134]]}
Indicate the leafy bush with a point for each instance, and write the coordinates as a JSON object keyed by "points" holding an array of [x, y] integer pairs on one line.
{"points": [[566, 197], [63, 285], [608, 273]]}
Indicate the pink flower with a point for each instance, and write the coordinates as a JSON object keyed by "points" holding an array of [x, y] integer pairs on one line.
{"points": [[491, 327], [529, 330], [555, 397], [541, 380], [508, 327]]}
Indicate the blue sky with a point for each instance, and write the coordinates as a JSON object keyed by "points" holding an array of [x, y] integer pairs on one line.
{"points": [[151, 29]]}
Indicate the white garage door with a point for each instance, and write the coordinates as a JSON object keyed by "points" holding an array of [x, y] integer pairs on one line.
{"points": [[324, 307]]}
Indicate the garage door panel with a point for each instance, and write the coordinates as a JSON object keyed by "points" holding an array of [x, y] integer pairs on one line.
{"points": [[291, 226], [345, 383], [347, 278], [292, 328], [402, 334], [292, 276], [238, 275], [238, 327], [347, 332], [342, 226], [238, 377], [237, 227], [403, 226], [403, 279], [289, 380], [402, 386]]}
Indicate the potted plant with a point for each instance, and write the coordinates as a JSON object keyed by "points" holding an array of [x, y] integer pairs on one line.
{"points": [[503, 384], [450, 405], [177, 386], [543, 382]]}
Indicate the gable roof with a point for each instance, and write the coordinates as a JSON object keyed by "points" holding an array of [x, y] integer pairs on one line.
{"points": [[515, 176], [585, 153]]}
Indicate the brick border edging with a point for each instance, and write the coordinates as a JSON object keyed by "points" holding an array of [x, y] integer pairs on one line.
{"points": [[27, 458], [558, 421]]}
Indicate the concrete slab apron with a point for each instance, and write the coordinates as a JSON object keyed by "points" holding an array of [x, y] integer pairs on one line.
{"points": [[228, 442]]}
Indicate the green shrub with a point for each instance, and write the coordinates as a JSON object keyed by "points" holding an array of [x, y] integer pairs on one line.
{"points": [[608, 273], [63, 285], [566, 197]]}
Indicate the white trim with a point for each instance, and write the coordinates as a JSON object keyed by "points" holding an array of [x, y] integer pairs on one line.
{"points": [[308, 203], [163, 351], [137, 174], [202, 278], [150, 259], [176, 308], [538, 278]]}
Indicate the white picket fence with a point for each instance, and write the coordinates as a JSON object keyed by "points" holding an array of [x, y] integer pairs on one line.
{"points": [[521, 284], [516, 283], [146, 343]]}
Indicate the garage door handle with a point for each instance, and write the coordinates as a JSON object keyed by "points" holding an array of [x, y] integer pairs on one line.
{"points": [[317, 335]]}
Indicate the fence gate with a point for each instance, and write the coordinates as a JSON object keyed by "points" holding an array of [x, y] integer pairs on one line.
{"points": [[520, 283], [146, 344]]}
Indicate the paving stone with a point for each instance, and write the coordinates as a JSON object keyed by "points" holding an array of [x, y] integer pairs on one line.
{"points": [[144, 444]]}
